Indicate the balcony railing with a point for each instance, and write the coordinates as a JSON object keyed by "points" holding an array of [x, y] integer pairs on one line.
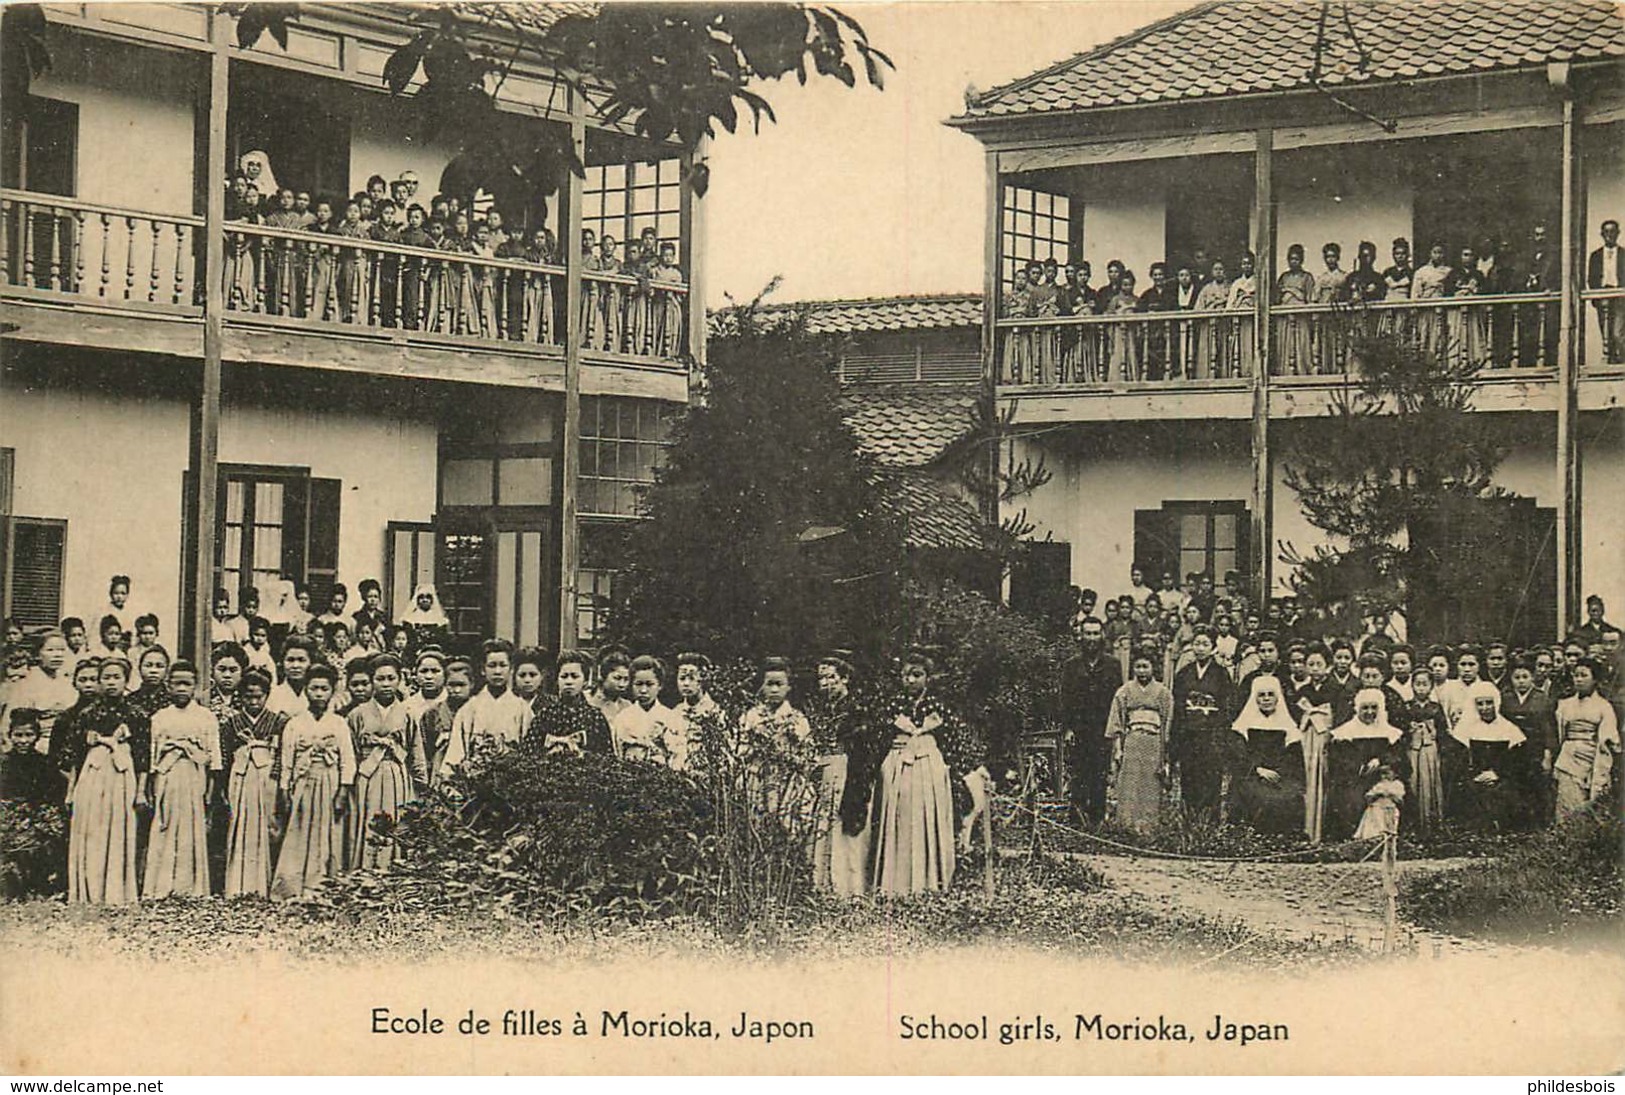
{"points": [[1605, 329], [1220, 348], [64, 247], [61, 248]]}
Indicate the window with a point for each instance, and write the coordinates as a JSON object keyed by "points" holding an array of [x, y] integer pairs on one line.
{"points": [[276, 523], [622, 442], [624, 199], [1036, 226], [32, 550], [603, 549], [1191, 537], [41, 146]]}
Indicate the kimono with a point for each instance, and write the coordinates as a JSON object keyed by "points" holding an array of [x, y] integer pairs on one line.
{"points": [[1273, 743], [1536, 715], [1212, 333], [414, 273], [387, 268], [1295, 334], [592, 293], [391, 764], [495, 720], [1122, 340], [1317, 703], [849, 760], [640, 732], [1495, 747], [1243, 331], [570, 726], [1203, 696], [1381, 817], [325, 301], [1398, 322], [284, 273], [536, 303], [1430, 283], [611, 306], [1589, 731], [1140, 720], [242, 274], [185, 748], [484, 284], [102, 829], [317, 761], [771, 744], [1331, 343], [252, 745], [435, 721], [667, 313], [914, 816], [1467, 328], [1425, 729], [1350, 754], [1017, 344], [1045, 304], [684, 738], [354, 274]]}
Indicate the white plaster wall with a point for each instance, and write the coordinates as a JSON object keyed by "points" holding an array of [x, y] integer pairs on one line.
{"points": [[1602, 510], [132, 102], [1356, 207], [1130, 227], [385, 140], [111, 464], [1605, 199]]}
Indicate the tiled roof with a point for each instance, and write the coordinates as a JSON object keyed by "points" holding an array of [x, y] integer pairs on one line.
{"points": [[846, 317], [535, 17], [1232, 47], [933, 514], [908, 426]]}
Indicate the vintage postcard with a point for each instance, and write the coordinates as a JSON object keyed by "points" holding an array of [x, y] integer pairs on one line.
{"points": [[887, 538]]}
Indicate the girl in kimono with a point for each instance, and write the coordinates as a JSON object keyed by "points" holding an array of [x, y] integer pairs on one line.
{"points": [[1588, 733], [483, 280], [1431, 282], [1213, 333], [284, 290], [1086, 350], [668, 306], [614, 675], [591, 290], [1244, 332], [317, 772], [251, 737], [1266, 783], [1357, 750], [104, 791], [638, 298], [1317, 700], [611, 298], [1045, 303], [1295, 287], [324, 293], [391, 765], [354, 265], [1123, 339], [566, 724], [1331, 344], [537, 307], [458, 313], [1141, 716], [1467, 327], [848, 756], [185, 762], [1017, 358], [1425, 727], [1490, 777], [770, 740], [914, 814], [1397, 281]]}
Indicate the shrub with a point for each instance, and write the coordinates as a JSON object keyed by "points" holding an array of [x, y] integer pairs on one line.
{"points": [[1563, 879], [33, 848]]}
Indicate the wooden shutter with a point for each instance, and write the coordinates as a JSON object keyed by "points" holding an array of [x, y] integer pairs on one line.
{"points": [[296, 528], [1040, 577], [322, 539], [34, 550], [409, 559]]}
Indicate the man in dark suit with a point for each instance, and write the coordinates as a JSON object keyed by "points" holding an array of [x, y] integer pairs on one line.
{"points": [[1537, 323], [1089, 680], [1606, 270]]}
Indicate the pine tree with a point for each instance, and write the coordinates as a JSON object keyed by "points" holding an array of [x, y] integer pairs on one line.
{"points": [[762, 536]]}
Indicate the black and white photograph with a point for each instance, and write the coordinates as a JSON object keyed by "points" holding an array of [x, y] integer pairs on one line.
{"points": [[893, 538]]}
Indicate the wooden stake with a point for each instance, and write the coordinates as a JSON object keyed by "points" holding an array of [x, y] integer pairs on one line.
{"points": [[1390, 890], [987, 842]]}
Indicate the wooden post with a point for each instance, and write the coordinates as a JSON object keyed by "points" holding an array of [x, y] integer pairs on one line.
{"points": [[989, 886], [205, 419], [1390, 892], [570, 457], [691, 218], [1571, 322], [992, 216], [1263, 495]]}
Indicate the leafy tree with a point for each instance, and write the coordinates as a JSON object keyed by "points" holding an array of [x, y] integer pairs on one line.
{"points": [[1400, 461], [763, 534]]}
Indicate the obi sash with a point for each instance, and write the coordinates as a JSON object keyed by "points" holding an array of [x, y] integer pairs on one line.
{"points": [[324, 754], [574, 744], [116, 744], [1144, 720], [379, 747], [175, 750], [920, 746], [1424, 734], [251, 754]]}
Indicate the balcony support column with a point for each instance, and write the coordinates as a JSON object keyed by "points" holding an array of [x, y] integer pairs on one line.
{"points": [[1570, 348], [1261, 539], [570, 431], [991, 262], [204, 435], [691, 229]]}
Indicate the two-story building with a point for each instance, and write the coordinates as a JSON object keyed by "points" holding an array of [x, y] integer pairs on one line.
{"points": [[348, 429], [1240, 131]]}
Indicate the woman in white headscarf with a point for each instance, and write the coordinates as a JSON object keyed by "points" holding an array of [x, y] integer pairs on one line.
{"points": [[1357, 752], [1490, 772], [1267, 779], [428, 621], [256, 165]]}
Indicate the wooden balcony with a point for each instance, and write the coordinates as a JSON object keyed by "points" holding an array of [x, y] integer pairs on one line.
{"points": [[116, 279]]}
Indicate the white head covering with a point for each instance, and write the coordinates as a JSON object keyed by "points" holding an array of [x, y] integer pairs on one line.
{"points": [[433, 616], [1355, 730], [1471, 727], [266, 183], [1251, 718]]}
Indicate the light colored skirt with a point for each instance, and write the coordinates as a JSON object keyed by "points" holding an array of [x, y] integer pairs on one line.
{"points": [[252, 798], [1577, 776], [178, 849], [382, 793], [1314, 783], [101, 834], [838, 859], [313, 848], [914, 821], [1139, 780], [1427, 786]]}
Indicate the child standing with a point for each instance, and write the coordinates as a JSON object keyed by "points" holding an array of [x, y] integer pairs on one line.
{"points": [[318, 769], [390, 764], [324, 295], [185, 760], [252, 735], [1381, 817], [103, 797], [611, 297]]}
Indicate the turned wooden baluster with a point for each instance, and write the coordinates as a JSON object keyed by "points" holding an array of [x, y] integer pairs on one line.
{"points": [[129, 259], [78, 250], [287, 261], [498, 282], [25, 222], [181, 268], [374, 294], [107, 247], [54, 280], [157, 277], [256, 255], [5, 241]]}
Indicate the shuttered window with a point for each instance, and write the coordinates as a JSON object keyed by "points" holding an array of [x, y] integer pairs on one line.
{"points": [[276, 522], [34, 549]]}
